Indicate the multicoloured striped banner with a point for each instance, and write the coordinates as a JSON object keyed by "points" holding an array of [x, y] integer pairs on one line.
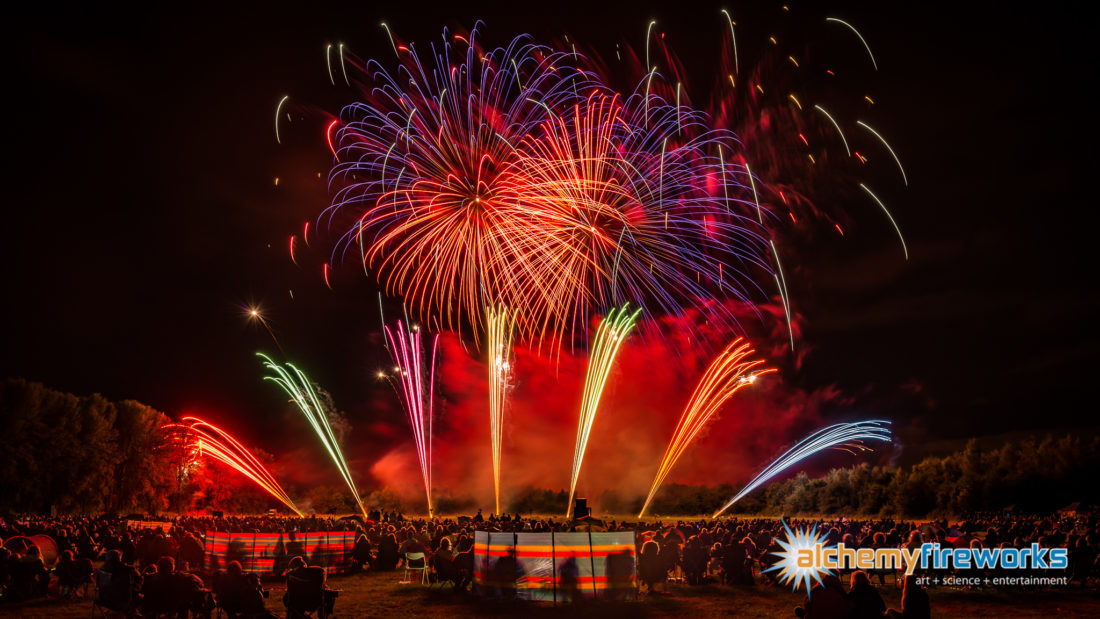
{"points": [[555, 566], [268, 554], [148, 524]]}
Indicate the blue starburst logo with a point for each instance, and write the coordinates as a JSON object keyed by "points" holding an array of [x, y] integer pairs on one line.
{"points": [[798, 560]]}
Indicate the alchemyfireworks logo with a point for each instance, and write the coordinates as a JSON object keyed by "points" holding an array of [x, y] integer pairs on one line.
{"points": [[805, 558], [796, 564]]}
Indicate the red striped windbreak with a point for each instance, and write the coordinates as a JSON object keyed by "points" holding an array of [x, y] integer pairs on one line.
{"points": [[149, 524], [555, 566], [268, 554]]}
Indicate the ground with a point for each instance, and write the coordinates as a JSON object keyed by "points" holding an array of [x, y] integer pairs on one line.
{"points": [[381, 595]]}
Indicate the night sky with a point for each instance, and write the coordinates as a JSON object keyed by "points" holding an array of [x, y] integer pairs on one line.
{"points": [[142, 214]]}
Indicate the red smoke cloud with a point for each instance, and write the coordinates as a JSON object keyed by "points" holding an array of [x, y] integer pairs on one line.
{"points": [[650, 383]]}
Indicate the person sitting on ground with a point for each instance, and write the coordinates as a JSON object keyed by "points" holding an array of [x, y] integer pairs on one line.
{"points": [[191, 551], [670, 554], [914, 601], [737, 563], [879, 541], [1081, 560], [464, 543], [695, 560], [826, 600], [866, 601], [651, 570], [361, 552], [388, 554], [464, 567], [768, 559], [714, 564]]}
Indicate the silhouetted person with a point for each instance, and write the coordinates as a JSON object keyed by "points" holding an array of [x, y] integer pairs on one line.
{"points": [[827, 600], [413, 545], [1081, 559], [295, 567], [569, 581], [239, 593], [695, 561], [360, 553], [914, 601], [191, 551], [651, 569], [72, 573], [506, 574], [29, 578], [167, 591], [464, 543], [442, 562], [303, 584], [388, 554], [118, 593], [293, 546], [464, 567], [865, 599], [620, 568]]}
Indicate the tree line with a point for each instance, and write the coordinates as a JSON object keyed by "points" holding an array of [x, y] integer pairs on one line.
{"points": [[1029, 475], [71, 454], [1034, 474], [66, 453]]}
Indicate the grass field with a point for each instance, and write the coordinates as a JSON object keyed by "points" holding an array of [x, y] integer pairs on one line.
{"points": [[380, 595]]}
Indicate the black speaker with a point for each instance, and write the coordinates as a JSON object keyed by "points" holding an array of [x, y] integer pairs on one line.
{"points": [[580, 508]]}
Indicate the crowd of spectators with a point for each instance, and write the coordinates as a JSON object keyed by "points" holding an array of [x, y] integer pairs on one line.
{"points": [[157, 566]]}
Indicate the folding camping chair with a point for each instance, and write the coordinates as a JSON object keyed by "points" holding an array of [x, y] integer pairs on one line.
{"points": [[415, 562], [108, 597], [306, 594], [230, 603], [446, 572]]}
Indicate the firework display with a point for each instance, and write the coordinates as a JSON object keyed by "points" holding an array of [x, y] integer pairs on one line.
{"points": [[845, 436], [423, 174], [517, 177], [506, 195], [733, 369], [413, 378], [499, 324], [204, 439], [301, 392], [609, 338]]}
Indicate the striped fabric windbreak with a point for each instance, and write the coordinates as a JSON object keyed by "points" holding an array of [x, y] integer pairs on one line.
{"points": [[268, 554], [149, 524], [555, 566]]}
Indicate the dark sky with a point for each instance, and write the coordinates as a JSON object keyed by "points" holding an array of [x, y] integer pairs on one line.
{"points": [[141, 212]]}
